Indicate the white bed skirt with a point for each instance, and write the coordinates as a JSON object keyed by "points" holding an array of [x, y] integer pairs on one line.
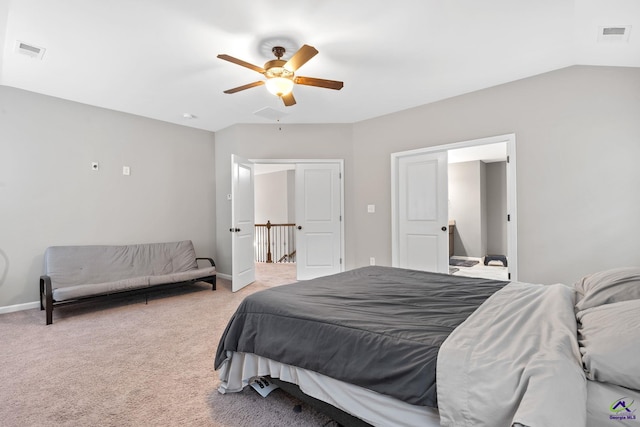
{"points": [[379, 410]]}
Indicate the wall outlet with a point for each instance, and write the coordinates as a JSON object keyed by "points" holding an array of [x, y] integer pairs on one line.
{"points": [[372, 261], [371, 208], [95, 166], [126, 170]]}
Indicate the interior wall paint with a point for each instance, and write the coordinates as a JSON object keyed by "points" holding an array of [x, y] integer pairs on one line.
{"points": [[271, 198], [278, 141], [467, 206], [578, 145], [496, 188], [50, 196], [291, 196], [577, 141]]}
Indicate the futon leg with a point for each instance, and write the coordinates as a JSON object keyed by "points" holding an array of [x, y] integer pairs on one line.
{"points": [[46, 298]]}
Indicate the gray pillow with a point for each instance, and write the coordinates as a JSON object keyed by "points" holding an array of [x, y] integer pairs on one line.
{"points": [[606, 287], [609, 338]]}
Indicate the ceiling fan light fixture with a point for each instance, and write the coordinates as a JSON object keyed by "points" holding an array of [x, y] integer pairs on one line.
{"points": [[279, 86]]}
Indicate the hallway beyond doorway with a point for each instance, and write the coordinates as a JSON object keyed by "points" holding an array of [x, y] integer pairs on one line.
{"points": [[276, 274]]}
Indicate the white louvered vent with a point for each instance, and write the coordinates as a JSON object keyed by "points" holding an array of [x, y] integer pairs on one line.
{"points": [[618, 33], [29, 50]]}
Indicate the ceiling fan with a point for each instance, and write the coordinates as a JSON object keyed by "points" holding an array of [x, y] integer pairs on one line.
{"points": [[280, 74]]}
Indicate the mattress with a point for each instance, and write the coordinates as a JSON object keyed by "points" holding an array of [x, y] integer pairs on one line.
{"points": [[374, 408]]}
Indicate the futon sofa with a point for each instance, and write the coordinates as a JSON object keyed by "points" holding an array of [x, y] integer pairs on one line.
{"points": [[77, 273]]}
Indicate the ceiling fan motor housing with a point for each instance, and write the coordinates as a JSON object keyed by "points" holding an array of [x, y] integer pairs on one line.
{"points": [[275, 68]]}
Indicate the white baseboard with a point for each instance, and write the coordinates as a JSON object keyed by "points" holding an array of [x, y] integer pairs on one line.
{"points": [[224, 276], [19, 307]]}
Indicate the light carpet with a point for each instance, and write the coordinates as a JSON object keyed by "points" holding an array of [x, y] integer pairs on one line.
{"points": [[122, 362]]}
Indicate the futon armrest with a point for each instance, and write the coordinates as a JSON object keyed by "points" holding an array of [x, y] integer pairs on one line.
{"points": [[213, 264]]}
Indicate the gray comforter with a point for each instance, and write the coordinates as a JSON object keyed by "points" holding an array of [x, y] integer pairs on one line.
{"points": [[376, 327], [516, 362]]}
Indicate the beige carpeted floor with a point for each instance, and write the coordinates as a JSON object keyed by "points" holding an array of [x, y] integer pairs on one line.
{"points": [[126, 363]]}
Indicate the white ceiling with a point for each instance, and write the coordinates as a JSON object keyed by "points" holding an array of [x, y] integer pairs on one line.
{"points": [[157, 58]]}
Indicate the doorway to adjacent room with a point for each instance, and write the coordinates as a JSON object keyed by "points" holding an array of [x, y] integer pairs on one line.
{"points": [[422, 207]]}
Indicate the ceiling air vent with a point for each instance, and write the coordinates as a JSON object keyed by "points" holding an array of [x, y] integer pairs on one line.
{"points": [[29, 50], [619, 33]]}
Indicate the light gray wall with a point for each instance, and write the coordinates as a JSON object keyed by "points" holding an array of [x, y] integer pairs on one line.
{"points": [[578, 145], [50, 196], [468, 207], [291, 196], [280, 141], [272, 198], [496, 190]]}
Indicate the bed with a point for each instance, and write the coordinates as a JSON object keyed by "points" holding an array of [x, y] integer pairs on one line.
{"points": [[402, 347]]}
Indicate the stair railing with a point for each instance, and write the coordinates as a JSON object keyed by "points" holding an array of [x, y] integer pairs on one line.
{"points": [[275, 241]]}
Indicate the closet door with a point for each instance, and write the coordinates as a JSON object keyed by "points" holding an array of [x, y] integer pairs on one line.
{"points": [[422, 237], [318, 220]]}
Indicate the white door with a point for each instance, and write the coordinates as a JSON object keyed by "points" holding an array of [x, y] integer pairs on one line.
{"points": [[422, 213], [318, 220], [243, 270]]}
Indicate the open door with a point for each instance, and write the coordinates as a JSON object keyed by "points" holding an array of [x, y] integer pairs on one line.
{"points": [[318, 220], [421, 237], [243, 270]]}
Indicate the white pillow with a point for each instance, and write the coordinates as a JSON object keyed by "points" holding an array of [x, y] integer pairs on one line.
{"points": [[606, 287], [609, 338]]}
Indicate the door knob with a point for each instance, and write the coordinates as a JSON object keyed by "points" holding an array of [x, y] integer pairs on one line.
{"points": [[237, 230], [299, 227], [443, 228]]}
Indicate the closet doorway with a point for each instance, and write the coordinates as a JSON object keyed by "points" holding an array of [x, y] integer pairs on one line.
{"points": [[465, 156]]}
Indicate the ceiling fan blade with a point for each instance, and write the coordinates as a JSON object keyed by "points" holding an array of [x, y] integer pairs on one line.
{"points": [[243, 87], [242, 63], [311, 81], [301, 57], [288, 99]]}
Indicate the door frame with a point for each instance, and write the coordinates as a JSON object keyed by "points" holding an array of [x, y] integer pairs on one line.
{"points": [[340, 163], [512, 220]]}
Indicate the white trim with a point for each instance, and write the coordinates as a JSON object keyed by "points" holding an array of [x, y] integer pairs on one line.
{"points": [[512, 225], [512, 209], [342, 216], [224, 276], [19, 307]]}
